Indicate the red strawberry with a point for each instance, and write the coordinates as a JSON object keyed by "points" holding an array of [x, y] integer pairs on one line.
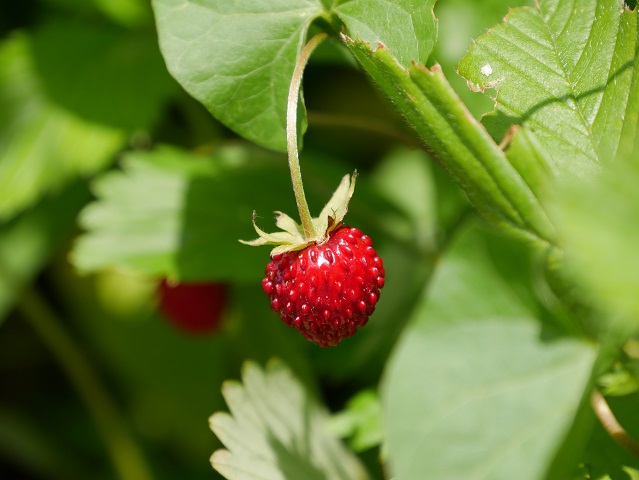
{"points": [[325, 284], [326, 291], [194, 308]]}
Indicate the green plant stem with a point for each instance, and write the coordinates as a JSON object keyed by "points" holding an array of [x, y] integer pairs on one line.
{"points": [[125, 454], [291, 135], [611, 425]]}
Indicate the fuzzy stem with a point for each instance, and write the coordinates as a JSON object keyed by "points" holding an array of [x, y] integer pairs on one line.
{"points": [[291, 135], [611, 425], [125, 453]]}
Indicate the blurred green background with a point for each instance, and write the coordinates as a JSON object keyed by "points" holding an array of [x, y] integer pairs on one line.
{"points": [[83, 88]]}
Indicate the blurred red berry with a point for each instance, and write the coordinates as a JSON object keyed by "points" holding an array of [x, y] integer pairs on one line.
{"points": [[194, 308]]}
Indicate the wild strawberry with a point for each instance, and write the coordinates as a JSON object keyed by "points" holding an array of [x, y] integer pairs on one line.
{"points": [[194, 308], [326, 291], [327, 285]]}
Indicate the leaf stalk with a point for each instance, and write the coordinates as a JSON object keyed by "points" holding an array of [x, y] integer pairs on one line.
{"points": [[291, 135], [611, 425]]}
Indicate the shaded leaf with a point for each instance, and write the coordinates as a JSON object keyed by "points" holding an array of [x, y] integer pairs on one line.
{"points": [[405, 177], [477, 388], [172, 213], [28, 241], [69, 97], [275, 430]]}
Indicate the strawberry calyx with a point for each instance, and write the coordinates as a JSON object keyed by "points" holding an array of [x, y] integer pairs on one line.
{"points": [[292, 236]]}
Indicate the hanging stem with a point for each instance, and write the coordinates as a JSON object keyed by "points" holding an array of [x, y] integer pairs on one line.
{"points": [[291, 135], [125, 453], [611, 425]]}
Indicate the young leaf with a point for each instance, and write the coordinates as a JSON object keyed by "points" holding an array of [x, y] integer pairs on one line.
{"points": [[477, 388], [430, 105], [277, 431], [408, 28], [237, 58], [563, 69]]}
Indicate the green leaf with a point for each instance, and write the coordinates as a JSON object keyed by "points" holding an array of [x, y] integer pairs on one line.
{"points": [[28, 241], [66, 97], [276, 430], [173, 213], [564, 70], [405, 177], [604, 458], [360, 421], [430, 105], [600, 233], [459, 21], [237, 58], [408, 28], [478, 387]]}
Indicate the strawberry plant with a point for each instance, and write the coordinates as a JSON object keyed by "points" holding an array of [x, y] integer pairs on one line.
{"points": [[492, 332]]}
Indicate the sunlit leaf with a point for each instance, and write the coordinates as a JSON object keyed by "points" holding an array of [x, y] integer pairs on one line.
{"points": [[407, 28], [564, 69], [478, 387], [237, 58]]}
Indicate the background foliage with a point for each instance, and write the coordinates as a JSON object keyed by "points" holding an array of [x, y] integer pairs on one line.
{"points": [[137, 139]]}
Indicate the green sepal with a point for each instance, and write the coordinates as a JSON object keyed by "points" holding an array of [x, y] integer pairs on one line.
{"points": [[335, 210], [289, 225], [292, 238], [288, 239]]}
